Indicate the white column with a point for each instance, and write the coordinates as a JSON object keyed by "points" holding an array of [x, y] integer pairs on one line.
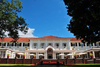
{"points": [[69, 46], [60, 44], [62, 57], [93, 54], [6, 44], [11, 54], [53, 43], [86, 46], [53, 55], [45, 55], [13, 46], [6, 54], [38, 44], [31, 43], [73, 55], [93, 44], [37, 57], [78, 45], [87, 55], [46, 43], [22, 46]]}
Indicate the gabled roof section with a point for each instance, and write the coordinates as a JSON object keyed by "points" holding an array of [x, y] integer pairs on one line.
{"points": [[50, 37]]}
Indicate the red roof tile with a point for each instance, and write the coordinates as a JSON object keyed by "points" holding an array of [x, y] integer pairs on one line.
{"points": [[20, 39], [75, 39], [48, 37], [45, 37]]}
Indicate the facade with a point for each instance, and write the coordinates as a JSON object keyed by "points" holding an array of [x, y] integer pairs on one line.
{"points": [[47, 47]]}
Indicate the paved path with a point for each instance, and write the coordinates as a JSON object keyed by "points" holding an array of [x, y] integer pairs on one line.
{"points": [[49, 66]]}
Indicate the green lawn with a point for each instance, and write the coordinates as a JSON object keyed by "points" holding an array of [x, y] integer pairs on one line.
{"points": [[17, 65], [84, 65]]}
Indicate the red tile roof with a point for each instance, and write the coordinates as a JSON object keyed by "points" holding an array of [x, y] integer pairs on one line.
{"points": [[55, 37], [20, 39], [75, 39], [45, 37]]}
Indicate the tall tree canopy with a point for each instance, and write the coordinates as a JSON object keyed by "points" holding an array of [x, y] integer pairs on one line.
{"points": [[85, 22], [9, 20]]}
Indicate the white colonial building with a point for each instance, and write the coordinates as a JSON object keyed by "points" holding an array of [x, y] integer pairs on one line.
{"points": [[49, 47]]}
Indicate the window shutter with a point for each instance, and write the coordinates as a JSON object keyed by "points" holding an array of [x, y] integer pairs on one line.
{"points": [[4, 44], [84, 44], [79, 44], [23, 44], [99, 43], [91, 44], [95, 44], [20, 44], [76, 44], [71, 44], [28, 44], [7, 44]]}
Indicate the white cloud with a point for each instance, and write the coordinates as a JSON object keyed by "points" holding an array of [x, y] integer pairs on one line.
{"points": [[28, 34]]}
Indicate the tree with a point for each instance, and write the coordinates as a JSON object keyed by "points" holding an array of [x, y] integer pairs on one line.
{"points": [[85, 21], [10, 21]]}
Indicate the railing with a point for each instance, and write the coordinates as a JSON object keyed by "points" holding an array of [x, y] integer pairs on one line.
{"points": [[50, 61]]}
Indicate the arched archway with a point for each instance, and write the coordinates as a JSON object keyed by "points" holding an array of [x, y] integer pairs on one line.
{"points": [[50, 53]]}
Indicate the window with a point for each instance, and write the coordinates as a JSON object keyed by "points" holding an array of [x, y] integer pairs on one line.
{"points": [[50, 44], [87, 44], [10, 45], [18, 45], [42, 45], [2, 54], [35, 45], [64, 45], [97, 44], [81, 44], [26, 45], [73, 44], [57, 45], [3, 44]]}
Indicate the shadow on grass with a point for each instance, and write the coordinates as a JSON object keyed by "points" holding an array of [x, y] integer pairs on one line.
{"points": [[18, 66], [81, 66]]}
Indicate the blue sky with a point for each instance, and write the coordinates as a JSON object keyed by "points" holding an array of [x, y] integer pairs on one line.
{"points": [[46, 17]]}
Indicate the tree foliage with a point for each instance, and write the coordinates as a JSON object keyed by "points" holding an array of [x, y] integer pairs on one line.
{"points": [[85, 22], [9, 20]]}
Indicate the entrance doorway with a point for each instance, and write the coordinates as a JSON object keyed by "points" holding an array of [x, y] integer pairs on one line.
{"points": [[49, 56], [50, 53]]}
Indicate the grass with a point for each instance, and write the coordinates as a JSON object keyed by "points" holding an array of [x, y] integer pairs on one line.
{"points": [[16, 65], [84, 65]]}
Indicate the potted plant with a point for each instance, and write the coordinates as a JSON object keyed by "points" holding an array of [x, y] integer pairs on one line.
{"points": [[26, 48], [75, 56], [91, 55], [8, 55], [24, 56], [65, 57], [41, 62], [58, 61], [34, 56], [49, 61], [35, 63], [72, 48], [63, 63]]}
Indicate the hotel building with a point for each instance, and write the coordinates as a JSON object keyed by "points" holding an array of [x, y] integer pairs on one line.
{"points": [[48, 47]]}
